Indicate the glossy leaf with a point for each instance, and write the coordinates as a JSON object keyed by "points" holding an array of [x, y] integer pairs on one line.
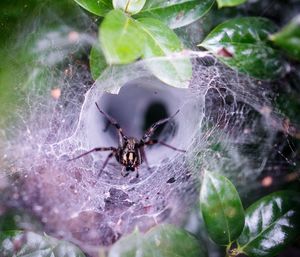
{"points": [[289, 38], [44, 246], [98, 7], [177, 13], [228, 3], [97, 61], [271, 223], [129, 6], [163, 241], [221, 209], [121, 39], [241, 43], [163, 42]]}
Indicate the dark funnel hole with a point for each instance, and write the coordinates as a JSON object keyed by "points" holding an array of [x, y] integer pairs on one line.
{"points": [[155, 112]]}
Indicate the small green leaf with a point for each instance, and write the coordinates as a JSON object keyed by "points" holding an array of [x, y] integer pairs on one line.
{"points": [[271, 224], [129, 6], [229, 3], [176, 13], [241, 43], [43, 246], [289, 38], [163, 241], [221, 209], [98, 7], [121, 39], [97, 61], [163, 42]]}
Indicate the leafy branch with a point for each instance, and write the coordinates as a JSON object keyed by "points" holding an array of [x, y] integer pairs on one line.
{"points": [[262, 230], [143, 29], [249, 44]]}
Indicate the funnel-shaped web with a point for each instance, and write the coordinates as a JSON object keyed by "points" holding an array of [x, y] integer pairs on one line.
{"points": [[226, 123]]}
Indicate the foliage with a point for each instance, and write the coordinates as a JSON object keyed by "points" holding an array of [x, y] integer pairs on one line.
{"points": [[288, 38], [222, 209], [121, 38], [163, 240], [177, 13], [241, 43], [246, 44], [33, 244], [96, 7], [270, 225], [134, 29]]}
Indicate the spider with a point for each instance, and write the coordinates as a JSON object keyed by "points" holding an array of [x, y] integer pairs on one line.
{"points": [[130, 153]]}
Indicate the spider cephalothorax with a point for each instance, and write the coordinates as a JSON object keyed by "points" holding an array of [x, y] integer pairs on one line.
{"points": [[130, 152], [129, 155]]}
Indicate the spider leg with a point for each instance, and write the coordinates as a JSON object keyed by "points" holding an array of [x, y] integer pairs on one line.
{"points": [[154, 141], [151, 130], [124, 174], [106, 161], [97, 149], [114, 123], [137, 173]]}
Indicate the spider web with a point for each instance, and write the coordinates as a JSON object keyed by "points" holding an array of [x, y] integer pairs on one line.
{"points": [[226, 123]]}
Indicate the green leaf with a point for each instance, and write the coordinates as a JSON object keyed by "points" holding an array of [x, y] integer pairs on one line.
{"points": [[129, 6], [43, 246], [177, 13], [97, 61], [229, 3], [271, 224], [241, 43], [163, 241], [98, 7], [289, 38], [163, 42], [121, 39], [167, 240], [221, 209]]}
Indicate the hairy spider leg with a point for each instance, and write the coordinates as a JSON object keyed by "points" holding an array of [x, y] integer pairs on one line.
{"points": [[154, 141], [115, 124], [124, 174], [97, 149], [152, 129], [137, 172], [106, 161]]}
